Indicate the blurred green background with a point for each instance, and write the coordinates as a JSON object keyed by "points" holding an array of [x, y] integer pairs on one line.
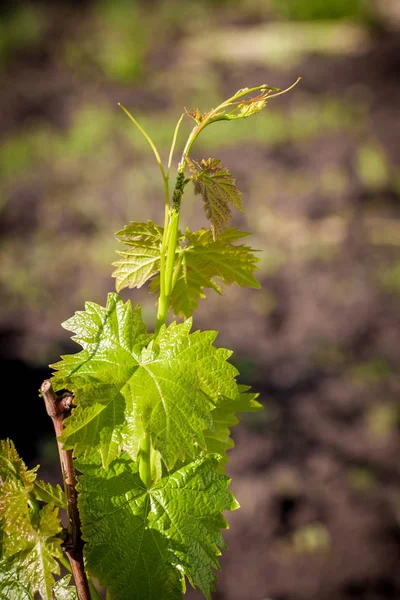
{"points": [[318, 473]]}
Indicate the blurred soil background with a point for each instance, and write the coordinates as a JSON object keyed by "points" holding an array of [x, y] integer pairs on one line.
{"points": [[318, 472]]}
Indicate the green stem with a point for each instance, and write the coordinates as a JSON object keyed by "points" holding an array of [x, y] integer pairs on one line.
{"points": [[163, 302], [173, 238], [171, 153], [65, 562], [33, 504], [167, 276], [153, 459], [148, 138], [165, 238], [176, 271]]}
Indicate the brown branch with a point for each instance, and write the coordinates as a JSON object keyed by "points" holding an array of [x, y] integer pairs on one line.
{"points": [[57, 408]]}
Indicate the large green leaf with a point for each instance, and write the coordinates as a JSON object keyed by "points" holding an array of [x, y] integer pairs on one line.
{"points": [[205, 263], [141, 543], [126, 387], [218, 189], [29, 546], [142, 258]]}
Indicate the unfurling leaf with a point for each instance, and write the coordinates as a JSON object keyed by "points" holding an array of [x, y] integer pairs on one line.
{"points": [[205, 263], [29, 546], [218, 189], [141, 543], [142, 258], [127, 386], [247, 109], [236, 108]]}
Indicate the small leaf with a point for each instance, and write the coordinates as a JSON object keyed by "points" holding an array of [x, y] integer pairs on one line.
{"points": [[218, 189], [63, 590], [126, 388], [196, 115], [12, 467], [51, 494], [140, 543], [142, 259]]}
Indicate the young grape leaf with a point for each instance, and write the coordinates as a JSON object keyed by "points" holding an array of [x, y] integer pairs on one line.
{"points": [[142, 259], [40, 563], [124, 390], [29, 545], [205, 263], [218, 189], [63, 591], [141, 543], [12, 467], [16, 484], [45, 492], [35, 560], [224, 418]]}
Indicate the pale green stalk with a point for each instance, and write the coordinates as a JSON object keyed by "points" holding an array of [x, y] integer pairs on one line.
{"points": [[145, 460], [93, 591], [171, 152], [65, 563], [147, 454], [148, 138]]}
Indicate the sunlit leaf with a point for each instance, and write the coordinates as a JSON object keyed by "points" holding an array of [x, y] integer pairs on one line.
{"points": [[126, 388], [29, 546], [46, 492]]}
